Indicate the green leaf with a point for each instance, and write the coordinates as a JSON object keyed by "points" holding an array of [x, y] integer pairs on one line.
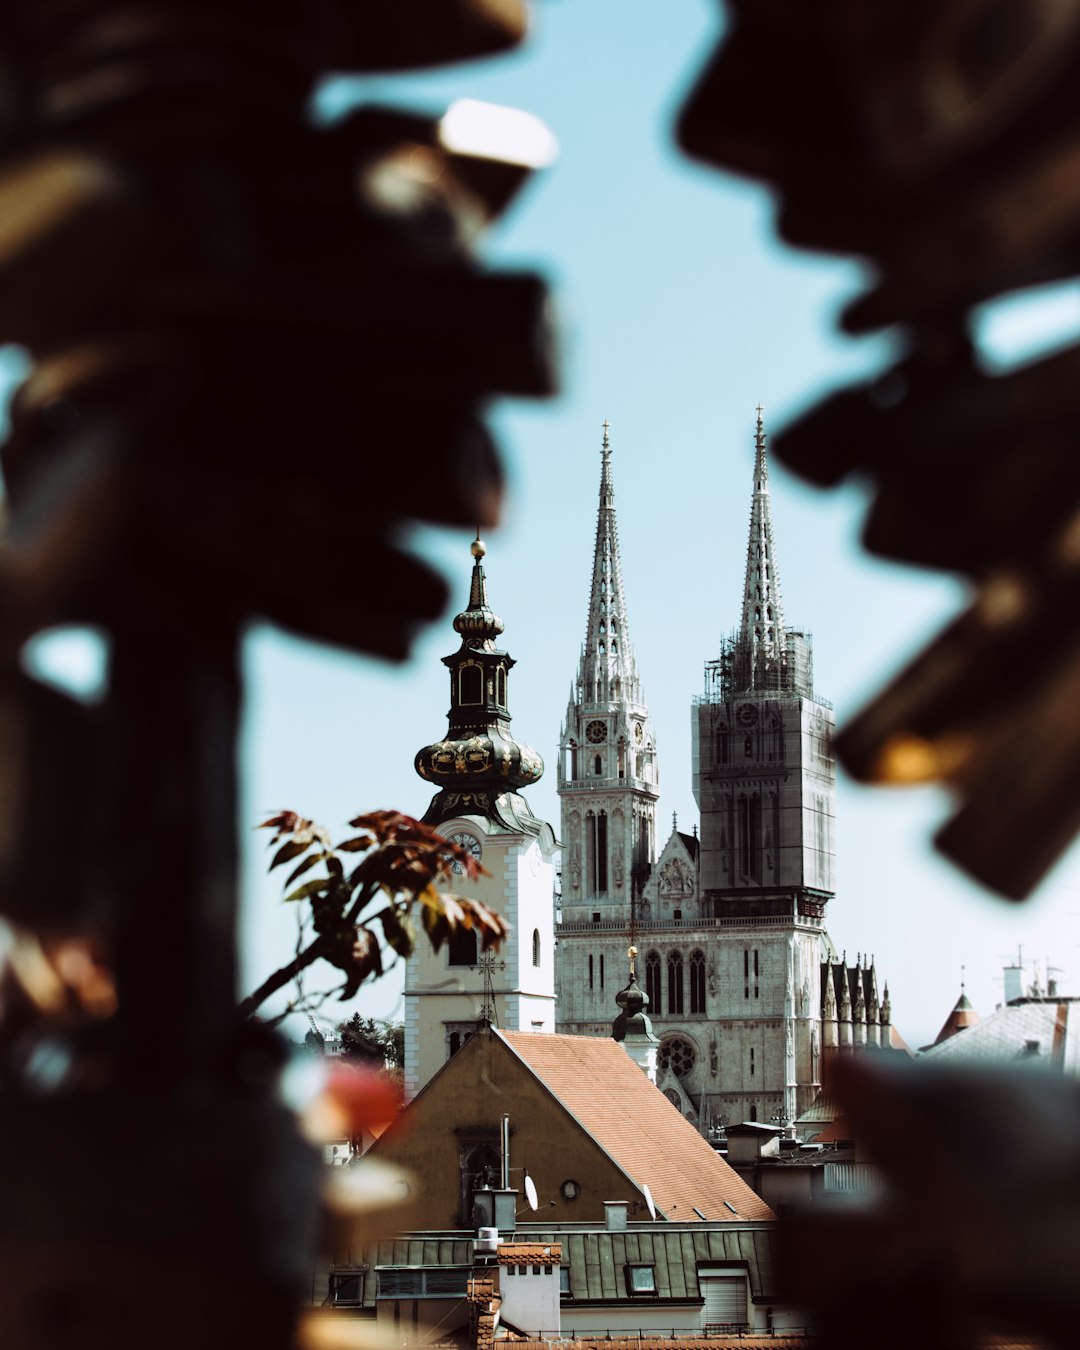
{"points": [[287, 851], [398, 931], [308, 889]]}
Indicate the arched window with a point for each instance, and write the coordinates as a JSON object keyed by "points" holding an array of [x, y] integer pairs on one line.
{"points": [[753, 1110], [455, 1042], [500, 687], [536, 946], [652, 983], [462, 947], [697, 982], [675, 982], [598, 767], [470, 685]]}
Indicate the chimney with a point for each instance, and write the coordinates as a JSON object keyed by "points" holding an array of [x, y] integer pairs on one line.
{"points": [[615, 1215]]}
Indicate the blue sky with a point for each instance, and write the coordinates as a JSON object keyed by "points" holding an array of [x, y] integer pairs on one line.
{"points": [[679, 312]]}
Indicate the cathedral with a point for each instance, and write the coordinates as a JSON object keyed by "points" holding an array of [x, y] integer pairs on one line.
{"points": [[745, 993]]}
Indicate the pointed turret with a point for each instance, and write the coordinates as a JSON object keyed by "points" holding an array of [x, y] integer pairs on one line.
{"points": [[479, 766], [962, 1016]]}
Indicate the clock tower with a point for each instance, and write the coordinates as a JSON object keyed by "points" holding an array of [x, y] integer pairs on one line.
{"points": [[608, 786], [480, 769]]}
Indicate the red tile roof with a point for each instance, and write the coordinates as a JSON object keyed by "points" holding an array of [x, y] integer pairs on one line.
{"points": [[634, 1123]]}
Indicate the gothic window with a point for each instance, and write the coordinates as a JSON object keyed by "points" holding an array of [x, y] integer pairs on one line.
{"points": [[597, 844], [614, 647], [590, 972], [536, 946], [601, 970], [652, 983], [614, 625], [455, 1042], [723, 743], [500, 687], [678, 1055], [697, 982], [749, 837], [675, 983], [598, 767], [748, 747], [470, 685], [674, 1098], [775, 737], [753, 1110], [461, 947]]}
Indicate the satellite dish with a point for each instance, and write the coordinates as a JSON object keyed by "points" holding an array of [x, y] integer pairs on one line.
{"points": [[530, 1191], [648, 1200]]}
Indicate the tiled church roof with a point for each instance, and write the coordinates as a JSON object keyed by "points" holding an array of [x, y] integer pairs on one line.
{"points": [[638, 1128]]}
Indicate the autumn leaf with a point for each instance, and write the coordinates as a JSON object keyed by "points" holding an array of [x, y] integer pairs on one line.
{"points": [[398, 931], [287, 852]]}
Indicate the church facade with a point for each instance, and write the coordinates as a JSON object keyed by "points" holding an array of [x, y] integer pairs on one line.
{"points": [[744, 986]]}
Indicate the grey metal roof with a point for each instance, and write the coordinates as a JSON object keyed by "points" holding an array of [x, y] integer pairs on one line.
{"points": [[1042, 1031], [596, 1257]]}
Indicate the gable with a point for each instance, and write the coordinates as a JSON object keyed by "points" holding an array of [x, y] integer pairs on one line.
{"points": [[459, 1112]]}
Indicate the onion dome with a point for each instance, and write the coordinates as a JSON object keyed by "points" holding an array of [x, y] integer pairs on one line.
{"points": [[479, 766]]}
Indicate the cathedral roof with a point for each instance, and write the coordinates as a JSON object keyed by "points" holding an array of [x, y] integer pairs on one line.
{"points": [[639, 1129], [690, 843]]}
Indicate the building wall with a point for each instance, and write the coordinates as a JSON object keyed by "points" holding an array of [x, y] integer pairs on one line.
{"points": [[444, 999], [458, 1111], [777, 751]]}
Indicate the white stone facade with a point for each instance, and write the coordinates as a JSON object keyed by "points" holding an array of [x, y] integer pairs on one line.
{"points": [[446, 992]]}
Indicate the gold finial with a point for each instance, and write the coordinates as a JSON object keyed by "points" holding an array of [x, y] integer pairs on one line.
{"points": [[478, 548]]}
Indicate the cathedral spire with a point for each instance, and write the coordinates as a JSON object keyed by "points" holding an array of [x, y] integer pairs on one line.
{"points": [[761, 631], [765, 655], [608, 670]]}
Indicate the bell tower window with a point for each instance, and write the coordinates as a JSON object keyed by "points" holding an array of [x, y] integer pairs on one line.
{"points": [[470, 685]]}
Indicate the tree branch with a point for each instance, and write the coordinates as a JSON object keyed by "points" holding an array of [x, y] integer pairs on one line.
{"points": [[282, 977]]}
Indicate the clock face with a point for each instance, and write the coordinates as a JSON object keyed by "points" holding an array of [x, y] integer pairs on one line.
{"points": [[596, 732], [746, 715], [470, 844]]}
